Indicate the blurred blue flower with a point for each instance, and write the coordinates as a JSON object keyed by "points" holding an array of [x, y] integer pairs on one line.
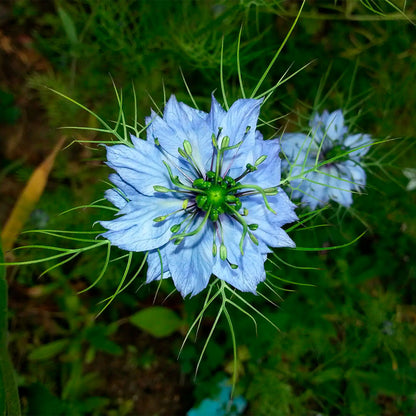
{"points": [[221, 405], [201, 196], [328, 139]]}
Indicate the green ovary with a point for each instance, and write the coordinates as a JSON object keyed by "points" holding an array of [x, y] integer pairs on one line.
{"points": [[216, 196]]}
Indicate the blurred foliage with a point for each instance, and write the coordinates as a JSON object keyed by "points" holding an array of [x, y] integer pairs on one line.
{"points": [[346, 345]]}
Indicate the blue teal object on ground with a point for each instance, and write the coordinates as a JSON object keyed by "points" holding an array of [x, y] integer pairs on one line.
{"points": [[221, 405], [328, 139], [201, 196]]}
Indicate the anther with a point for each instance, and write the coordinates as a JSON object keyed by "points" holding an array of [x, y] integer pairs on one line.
{"points": [[223, 252], [253, 239], [160, 219], [159, 188], [225, 142], [188, 148], [175, 228], [260, 160], [182, 153]]}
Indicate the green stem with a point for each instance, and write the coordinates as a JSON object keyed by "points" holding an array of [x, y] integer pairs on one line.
{"points": [[9, 396]]}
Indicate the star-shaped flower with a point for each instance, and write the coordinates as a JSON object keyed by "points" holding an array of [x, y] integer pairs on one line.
{"points": [[201, 196], [326, 164]]}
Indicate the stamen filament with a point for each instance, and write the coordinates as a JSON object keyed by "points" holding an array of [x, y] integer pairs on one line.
{"points": [[169, 157], [260, 190], [194, 232], [175, 180]]}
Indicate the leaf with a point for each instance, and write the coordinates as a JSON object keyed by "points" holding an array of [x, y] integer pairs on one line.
{"points": [[28, 199], [157, 321], [68, 25], [47, 351]]}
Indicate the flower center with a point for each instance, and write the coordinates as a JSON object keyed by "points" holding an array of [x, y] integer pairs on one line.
{"points": [[213, 193], [216, 196]]}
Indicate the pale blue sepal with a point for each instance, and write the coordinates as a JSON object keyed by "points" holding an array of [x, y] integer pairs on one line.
{"points": [[157, 262], [115, 197], [190, 262], [239, 124], [140, 166], [250, 271], [335, 128], [124, 187], [135, 230], [215, 116], [358, 140], [178, 124]]}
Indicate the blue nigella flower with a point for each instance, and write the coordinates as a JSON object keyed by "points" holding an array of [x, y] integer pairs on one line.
{"points": [[328, 139], [201, 196], [221, 405]]}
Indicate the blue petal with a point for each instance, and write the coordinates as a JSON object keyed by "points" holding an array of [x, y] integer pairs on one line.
{"points": [[318, 121], [294, 145], [241, 116], [355, 172], [269, 231], [267, 174], [215, 116], [190, 262], [154, 266], [315, 189], [175, 112], [358, 140], [335, 128], [250, 271], [299, 147], [124, 187], [135, 229], [115, 197], [180, 123], [140, 167], [340, 190]]}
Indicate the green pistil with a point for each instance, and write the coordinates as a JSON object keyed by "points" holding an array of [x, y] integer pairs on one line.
{"points": [[215, 195]]}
